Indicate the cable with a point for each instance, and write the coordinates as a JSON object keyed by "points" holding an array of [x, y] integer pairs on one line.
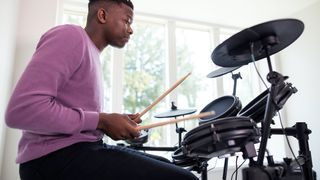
{"points": [[237, 168], [255, 66], [214, 166], [289, 145]]}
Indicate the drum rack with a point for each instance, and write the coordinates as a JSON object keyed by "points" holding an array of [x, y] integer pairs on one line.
{"points": [[256, 43], [286, 170], [279, 93], [301, 132]]}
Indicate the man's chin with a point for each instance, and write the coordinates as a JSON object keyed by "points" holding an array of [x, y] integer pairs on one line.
{"points": [[118, 45]]}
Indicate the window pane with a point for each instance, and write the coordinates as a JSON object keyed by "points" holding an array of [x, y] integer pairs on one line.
{"points": [[74, 18], [105, 58], [144, 74], [193, 55]]}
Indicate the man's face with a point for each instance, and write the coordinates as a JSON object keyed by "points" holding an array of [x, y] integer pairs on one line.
{"points": [[118, 25]]}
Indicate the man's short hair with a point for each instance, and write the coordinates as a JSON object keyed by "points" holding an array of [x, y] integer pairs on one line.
{"points": [[126, 2]]}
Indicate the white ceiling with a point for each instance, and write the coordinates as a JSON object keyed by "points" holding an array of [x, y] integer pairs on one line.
{"points": [[238, 13]]}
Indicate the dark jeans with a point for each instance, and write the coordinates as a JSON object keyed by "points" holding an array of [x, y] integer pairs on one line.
{"points": [[98, 161]]}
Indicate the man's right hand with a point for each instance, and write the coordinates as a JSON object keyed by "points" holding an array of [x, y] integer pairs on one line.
{"points": [[118, 126]]}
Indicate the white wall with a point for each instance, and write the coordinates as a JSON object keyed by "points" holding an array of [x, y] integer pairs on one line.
{"points": [[34, 18], [301, 62], [8, 19], [233, 13]]}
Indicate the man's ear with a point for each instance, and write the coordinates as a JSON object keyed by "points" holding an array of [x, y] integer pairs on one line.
{"points": [[102, 15]]}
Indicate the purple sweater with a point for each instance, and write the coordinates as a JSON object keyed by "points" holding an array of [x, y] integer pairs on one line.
{"points": [[58, 98]]}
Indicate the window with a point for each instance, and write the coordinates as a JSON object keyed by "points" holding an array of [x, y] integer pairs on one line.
{"points": [[72, 17], [193, 47], [161, 51], [145, 74]]}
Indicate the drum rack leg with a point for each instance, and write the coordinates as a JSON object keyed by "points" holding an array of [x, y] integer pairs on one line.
{"points": [[204, 171], [279, 92], [301, 132], [225, 169], [201, 167], [275, 79], [180, 130]]}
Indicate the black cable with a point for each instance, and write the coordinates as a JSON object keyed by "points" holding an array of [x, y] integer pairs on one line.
{"points": [[209, 169], [289, 145], [215, 165], [255, 66], [237, 168]]}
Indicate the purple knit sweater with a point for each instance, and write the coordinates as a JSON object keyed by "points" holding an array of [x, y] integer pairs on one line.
{"points": [[58, 98]]}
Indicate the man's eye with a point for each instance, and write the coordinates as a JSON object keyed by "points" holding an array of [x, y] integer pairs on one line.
{"points": [[128, 21]]}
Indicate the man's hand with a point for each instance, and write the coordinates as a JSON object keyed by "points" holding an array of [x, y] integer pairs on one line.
{"points": [[119, 126], [134, 118]]}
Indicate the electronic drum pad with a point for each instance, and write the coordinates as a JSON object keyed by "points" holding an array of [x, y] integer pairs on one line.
{"points": [[220, 137]]}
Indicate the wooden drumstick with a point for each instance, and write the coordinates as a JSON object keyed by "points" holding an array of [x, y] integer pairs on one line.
{"points": [[171, 121], [163, 95]]}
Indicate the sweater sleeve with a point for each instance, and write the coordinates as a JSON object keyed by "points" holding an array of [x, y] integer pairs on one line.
{"points": [[33, 105]]}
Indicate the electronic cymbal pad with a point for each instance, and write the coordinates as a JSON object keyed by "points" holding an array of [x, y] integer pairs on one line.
{"points": [[175, 112], [221, 71], [261, 40]]}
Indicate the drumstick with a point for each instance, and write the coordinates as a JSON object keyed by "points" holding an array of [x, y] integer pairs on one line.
{"points": [[171, 121], [162, 96]]}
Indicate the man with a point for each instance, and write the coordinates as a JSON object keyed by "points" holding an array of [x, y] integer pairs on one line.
{"points": [[57, 105]]}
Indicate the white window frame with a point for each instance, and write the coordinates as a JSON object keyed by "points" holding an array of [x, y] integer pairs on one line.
{"points": [[170, 23]]}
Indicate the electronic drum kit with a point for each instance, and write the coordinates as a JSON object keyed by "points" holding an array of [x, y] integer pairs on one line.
{"points": [[234, 129]]}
